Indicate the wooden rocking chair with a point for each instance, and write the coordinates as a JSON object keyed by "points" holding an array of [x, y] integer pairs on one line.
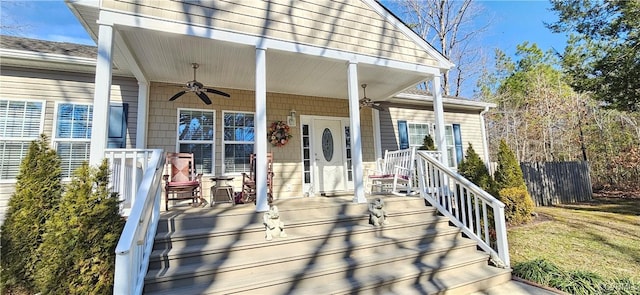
{"points": [[181, 181], [249, 180]]}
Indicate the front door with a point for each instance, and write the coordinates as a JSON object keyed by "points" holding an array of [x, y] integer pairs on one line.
{"points": [[328, 148]]}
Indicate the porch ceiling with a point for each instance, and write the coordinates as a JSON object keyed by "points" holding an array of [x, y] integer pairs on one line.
{"points": [[166, 57]]}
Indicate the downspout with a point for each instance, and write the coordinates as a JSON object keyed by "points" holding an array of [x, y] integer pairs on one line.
{"points": [[485, 144]]}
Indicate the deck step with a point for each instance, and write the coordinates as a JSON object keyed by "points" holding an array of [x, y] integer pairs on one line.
{"points": [[223, 250], [256, 232], [295, 253]]}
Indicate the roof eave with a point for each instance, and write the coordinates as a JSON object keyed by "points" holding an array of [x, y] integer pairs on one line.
{"points": [[46, 57], [50, 61], [447, 102]]}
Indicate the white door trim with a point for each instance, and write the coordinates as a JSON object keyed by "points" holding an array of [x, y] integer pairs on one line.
{"points": [[312, 189]]}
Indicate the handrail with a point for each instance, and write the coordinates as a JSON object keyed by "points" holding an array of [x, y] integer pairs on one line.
{"points": [[127, 166], [135, 244], [466, 205]]}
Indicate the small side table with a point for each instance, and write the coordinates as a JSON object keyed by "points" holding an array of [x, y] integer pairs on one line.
{"points": [[221, 183]]}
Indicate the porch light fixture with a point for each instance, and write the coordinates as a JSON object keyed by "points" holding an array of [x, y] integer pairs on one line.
{"points": [[291, 119]]}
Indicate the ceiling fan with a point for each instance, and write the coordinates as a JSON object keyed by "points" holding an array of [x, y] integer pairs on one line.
{"points": [[367, 102], [197, 88]]}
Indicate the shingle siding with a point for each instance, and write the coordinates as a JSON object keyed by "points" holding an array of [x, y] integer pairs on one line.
{"points": [[346, 25], [287, 159]]}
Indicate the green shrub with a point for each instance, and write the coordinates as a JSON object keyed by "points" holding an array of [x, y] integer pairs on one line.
{"points": [[474, 169], [623, 286], [575, 282], [427, 144], [518, 204], [81, 237], [540, 271], [508, 174], [37, 193], [578, 283]]}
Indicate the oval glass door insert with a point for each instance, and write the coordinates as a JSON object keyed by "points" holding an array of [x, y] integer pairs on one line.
{"points": [[327, 144]]}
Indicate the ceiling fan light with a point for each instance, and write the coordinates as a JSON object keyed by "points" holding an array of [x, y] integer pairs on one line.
{"points": [[198, 88]]}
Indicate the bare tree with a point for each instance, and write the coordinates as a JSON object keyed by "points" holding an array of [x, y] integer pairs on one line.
{"points": [[451, 27]]}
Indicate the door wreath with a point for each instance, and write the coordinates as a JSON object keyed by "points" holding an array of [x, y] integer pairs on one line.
{"points": [[278, 134]]}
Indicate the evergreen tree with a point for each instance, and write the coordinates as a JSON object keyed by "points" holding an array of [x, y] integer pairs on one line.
{"points": [[603, 55], [512, 190], [81, 237], [427, 144], [473, 169], [508, 174], [37, 194]]}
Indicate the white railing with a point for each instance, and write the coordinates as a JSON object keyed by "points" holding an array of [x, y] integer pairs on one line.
{"points": [[476, 212], [136, 241], [434, 154], [127, 166]]}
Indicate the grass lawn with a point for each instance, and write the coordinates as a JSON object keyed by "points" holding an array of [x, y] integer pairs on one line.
{"points": [[601, 236]]}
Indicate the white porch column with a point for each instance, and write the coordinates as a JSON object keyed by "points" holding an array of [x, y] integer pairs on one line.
{"points": [[438, 111], [356, 140], [485, 145], [100, 124], [143, 111], [260, 146], [377, 142]]}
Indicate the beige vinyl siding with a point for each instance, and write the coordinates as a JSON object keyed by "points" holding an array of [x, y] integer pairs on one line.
{"points": [[470, 125], [287, 159], [58, 86], [348, 25]]}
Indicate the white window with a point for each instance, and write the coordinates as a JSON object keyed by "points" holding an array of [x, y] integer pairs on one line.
{"points": [[451, 147], [238, 140], [196, 129], [72, 135], [417, 133], [20, 124]]}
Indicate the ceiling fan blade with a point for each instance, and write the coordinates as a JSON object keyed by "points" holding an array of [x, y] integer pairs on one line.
{"points": [[218, 92], [204, 97], [174, 97]]}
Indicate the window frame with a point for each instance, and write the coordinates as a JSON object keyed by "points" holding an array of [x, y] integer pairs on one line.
{"points": [[225, 142], [27, 140], [448, 133], [54, 137], [409, 135], [212, 142], [451, 148]]}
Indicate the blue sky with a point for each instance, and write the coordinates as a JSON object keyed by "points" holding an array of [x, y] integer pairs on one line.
{"points": [[515, 22], [512, 23], [48, 20]]}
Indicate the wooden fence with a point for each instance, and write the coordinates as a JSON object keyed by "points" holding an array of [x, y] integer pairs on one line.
{"points": [[552, 183]]}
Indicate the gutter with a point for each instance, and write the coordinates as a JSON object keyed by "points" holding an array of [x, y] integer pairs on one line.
{"points": [[47, 57], [418, 98]]}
